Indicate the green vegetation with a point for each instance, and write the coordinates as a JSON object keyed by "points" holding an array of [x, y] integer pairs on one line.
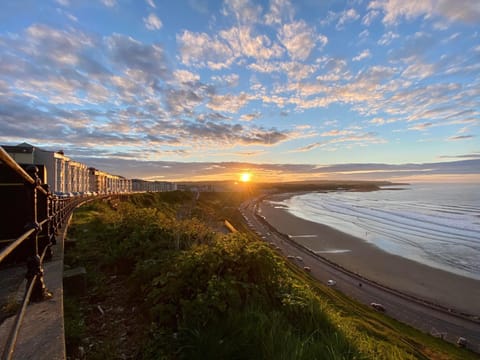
{"points": [[166, 282]]}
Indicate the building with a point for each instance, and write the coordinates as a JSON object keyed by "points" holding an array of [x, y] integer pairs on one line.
{"points": [[105, 183], [62, 174], [156, 186]]}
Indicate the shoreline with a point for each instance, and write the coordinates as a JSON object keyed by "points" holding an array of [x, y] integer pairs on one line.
{"points": [[358, 256]]}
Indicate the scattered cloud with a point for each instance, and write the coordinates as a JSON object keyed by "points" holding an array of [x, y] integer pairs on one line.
{"points": [[280, 11], [387, 38], [460, 137], [370, 17], [299, 39], [251, 116], [228, 103], [243, 79], [365, 54], [421, 127], [152, 22], [347, 16], [244, 11], [109, 3], [244, 44], [201, 50], [475, 155], [396, 10]]}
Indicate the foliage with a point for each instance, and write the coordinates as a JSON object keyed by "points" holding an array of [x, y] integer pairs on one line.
{"points": [[74, 323]]}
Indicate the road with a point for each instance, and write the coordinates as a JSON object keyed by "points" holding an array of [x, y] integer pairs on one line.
{"points": [[427, 318]]}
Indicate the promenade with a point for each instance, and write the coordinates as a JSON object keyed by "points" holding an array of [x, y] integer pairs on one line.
{"points": [[42, 334]]}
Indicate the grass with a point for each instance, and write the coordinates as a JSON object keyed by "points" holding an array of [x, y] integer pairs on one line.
{"points": [[172, 286]]}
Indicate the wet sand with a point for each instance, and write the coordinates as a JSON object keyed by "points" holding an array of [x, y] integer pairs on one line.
{"points": [[434, 285]]}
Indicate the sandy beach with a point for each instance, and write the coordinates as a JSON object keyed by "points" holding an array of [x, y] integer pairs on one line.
{"points": [[435, 285]]}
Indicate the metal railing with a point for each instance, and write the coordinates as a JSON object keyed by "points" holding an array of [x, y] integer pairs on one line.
{"points": [[44, 214]]}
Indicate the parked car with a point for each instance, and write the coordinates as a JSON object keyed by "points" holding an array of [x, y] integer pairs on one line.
{"points": [[307, 268], [461, 342], [331, 282], [377, 306]]}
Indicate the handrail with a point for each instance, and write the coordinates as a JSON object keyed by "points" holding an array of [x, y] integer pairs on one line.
{"points": [[13, 336], [17, 242], [43, 217], [53, 214]]}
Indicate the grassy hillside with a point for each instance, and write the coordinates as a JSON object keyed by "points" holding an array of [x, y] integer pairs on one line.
{"points": [[166, 282]]}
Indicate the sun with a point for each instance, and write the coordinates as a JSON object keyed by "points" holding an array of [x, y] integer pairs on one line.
{"points": [[245, 177]]}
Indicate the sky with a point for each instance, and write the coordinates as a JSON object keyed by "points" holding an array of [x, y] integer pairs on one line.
{"points": [[287, 90]]}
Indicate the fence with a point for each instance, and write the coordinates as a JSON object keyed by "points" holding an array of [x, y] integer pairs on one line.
{"points": [[30, 220]]}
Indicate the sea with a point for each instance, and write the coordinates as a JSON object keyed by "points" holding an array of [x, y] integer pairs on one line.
{"points": [[434, 224]]}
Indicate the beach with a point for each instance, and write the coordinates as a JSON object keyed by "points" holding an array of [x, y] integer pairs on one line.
{"points": [[400, 273]]}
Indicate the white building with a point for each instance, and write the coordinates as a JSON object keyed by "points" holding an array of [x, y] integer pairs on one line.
{"points": [[66, 175], [62, 173], [155, 186]]}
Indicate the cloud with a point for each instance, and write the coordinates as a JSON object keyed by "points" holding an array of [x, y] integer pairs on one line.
{"points": [[466, 11], [229, 135], [343, 136], [369, 17], [243, 10], [347, 16], [421, 127], [230, 80], [475, 155], [460, 137], [381, 121], [199, 49], [243, 43], [152, 22], [228, 103], [365, 54], [280, 11], [299, 39], [292, 69], [387, 38], [151, 3], [58, 46], [219, 52], [337, 133], [309, 147], [415, 46], [127, 97], [419, 70], [251, 116], [109, 3], [185, 76], [135, 55]]}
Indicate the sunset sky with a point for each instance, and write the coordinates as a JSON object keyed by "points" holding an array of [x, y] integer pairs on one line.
{"points": [[288, 90]]}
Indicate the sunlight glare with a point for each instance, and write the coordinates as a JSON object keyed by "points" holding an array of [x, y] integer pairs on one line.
{"points": [[245, 177]]}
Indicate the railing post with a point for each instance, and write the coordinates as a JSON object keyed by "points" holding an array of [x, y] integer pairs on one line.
{"points": [[31, 207], [51, 219], [34, 263]]}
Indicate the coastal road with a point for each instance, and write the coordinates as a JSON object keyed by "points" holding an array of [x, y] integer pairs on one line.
{"points": [[427, 318]]}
